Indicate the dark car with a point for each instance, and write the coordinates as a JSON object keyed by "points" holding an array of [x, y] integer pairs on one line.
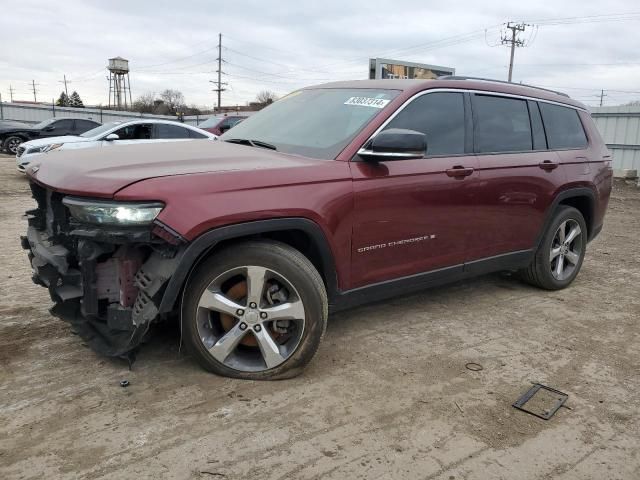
{"points": [[220, 124], [12, 135], [333, 196]]}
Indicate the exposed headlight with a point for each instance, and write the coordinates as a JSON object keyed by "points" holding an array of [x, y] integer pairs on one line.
{"points": [[37, 149], [53, 146], [112, 213]]}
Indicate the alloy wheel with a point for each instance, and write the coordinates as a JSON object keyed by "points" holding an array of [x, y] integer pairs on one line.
{"points": [[566, 249], [12, 145], [250, 318]]}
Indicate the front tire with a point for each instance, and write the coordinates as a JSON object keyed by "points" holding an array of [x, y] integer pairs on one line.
{"points": [[561, 252], [255, 311]]}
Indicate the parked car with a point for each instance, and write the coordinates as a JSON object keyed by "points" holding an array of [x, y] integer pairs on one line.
{"points": [[13, 135], [220, 124], [111, 134], [333, 196]]}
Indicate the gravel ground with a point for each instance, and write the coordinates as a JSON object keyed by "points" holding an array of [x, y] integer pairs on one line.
{"points": [[387, 396]]}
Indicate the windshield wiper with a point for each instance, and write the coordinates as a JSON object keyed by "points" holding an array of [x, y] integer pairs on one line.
{"points": [[252, 143]]}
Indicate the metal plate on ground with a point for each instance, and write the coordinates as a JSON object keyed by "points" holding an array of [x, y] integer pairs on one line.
{"points": [[541, 401]]}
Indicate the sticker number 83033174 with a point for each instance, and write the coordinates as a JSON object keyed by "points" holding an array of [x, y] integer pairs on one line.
{"points": [[367, 102]]}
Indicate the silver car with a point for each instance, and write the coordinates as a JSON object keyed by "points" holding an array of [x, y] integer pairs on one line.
{"points": [[110, 135]]}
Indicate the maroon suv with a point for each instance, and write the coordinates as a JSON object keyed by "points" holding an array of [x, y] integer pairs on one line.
{"points": [[333, 196]]}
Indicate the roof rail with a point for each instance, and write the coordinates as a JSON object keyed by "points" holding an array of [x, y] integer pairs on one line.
{"points": [[459, 77]]}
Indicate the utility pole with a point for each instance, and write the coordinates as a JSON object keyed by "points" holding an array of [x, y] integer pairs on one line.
{"points": [[11, 93], [33, 87], [65, 81], [219, 83], [513, 41], [602, 95]]}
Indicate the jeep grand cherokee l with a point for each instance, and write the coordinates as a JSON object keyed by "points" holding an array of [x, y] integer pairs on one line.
{"points": [[333, 196]]}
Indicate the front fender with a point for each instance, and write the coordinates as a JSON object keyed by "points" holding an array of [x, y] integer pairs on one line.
{"points": [[208, 240]]}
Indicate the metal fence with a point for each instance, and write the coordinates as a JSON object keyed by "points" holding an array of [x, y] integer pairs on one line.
{"points": [[620, 129], [34, 113]]}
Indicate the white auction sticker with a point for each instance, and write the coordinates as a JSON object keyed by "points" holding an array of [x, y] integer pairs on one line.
{"points": [[367, 102]]}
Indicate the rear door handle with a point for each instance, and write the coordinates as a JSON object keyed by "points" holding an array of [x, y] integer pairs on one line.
{"points": [[548, 165], [459, 171]]}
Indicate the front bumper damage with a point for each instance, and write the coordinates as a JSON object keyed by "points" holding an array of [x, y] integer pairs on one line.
{"points": [[107, 282]]}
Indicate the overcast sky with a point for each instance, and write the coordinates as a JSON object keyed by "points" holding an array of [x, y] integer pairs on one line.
{"points": [[284, 45]]}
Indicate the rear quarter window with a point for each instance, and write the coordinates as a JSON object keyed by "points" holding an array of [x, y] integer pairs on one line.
{"points": [[563, 127]]}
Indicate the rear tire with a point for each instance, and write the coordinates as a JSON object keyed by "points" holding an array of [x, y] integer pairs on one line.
{"points": [[559, 256], [11, 143], [256, 310]]}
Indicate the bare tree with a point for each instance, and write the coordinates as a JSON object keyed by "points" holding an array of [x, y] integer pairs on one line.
{"points": [[173, 99], [145, 103], [266, 97]]}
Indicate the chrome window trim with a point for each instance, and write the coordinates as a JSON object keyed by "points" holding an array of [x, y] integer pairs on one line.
{"points": [[362, 150]]}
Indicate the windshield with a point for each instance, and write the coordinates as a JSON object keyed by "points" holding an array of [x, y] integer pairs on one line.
{"points": [[315, 123], [94, 132], [210, 122], [44, 123]]}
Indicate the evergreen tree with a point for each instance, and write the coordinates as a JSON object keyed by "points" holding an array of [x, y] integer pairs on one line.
{"points": [[63, 100], [75, 101]]}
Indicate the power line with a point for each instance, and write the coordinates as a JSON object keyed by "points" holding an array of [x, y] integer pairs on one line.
{"points": [[144, 67], [612, 17], [272, 74]]}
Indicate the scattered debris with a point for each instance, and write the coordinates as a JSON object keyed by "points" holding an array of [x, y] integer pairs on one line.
{"points": [[459, 408], [124, 383], [215, 474], [474, 367], [544, 405]]}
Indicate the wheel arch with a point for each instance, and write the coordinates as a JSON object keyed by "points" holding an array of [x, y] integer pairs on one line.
{"points": [[300, 233], [581, 198], [585, 204]]}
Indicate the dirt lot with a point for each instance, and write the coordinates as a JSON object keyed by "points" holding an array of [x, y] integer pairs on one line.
{"points": [[387, 396]]}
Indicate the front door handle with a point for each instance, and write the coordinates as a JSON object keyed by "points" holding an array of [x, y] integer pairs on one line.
{"points": [[548, 165], [459, 171]]}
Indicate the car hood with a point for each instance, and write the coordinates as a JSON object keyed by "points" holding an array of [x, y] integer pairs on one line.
{"points": [[40, 142], [101, 172]]}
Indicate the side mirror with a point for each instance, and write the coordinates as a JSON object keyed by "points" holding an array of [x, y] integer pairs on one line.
{"points": [[111, 137], [395, 144], [50, 128]]}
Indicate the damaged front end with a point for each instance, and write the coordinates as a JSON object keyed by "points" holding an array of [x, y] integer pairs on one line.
{"points": [[106, 279]]}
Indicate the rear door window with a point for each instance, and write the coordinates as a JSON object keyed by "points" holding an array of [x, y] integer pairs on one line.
{"points": [[194, 134], [62, 127], [84, 125], [563, 126], [170, 131], [440, 116], [501, 124]]}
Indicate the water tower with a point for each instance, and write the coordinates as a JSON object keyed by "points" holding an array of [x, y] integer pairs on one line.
{"points": [[119, 83]]}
